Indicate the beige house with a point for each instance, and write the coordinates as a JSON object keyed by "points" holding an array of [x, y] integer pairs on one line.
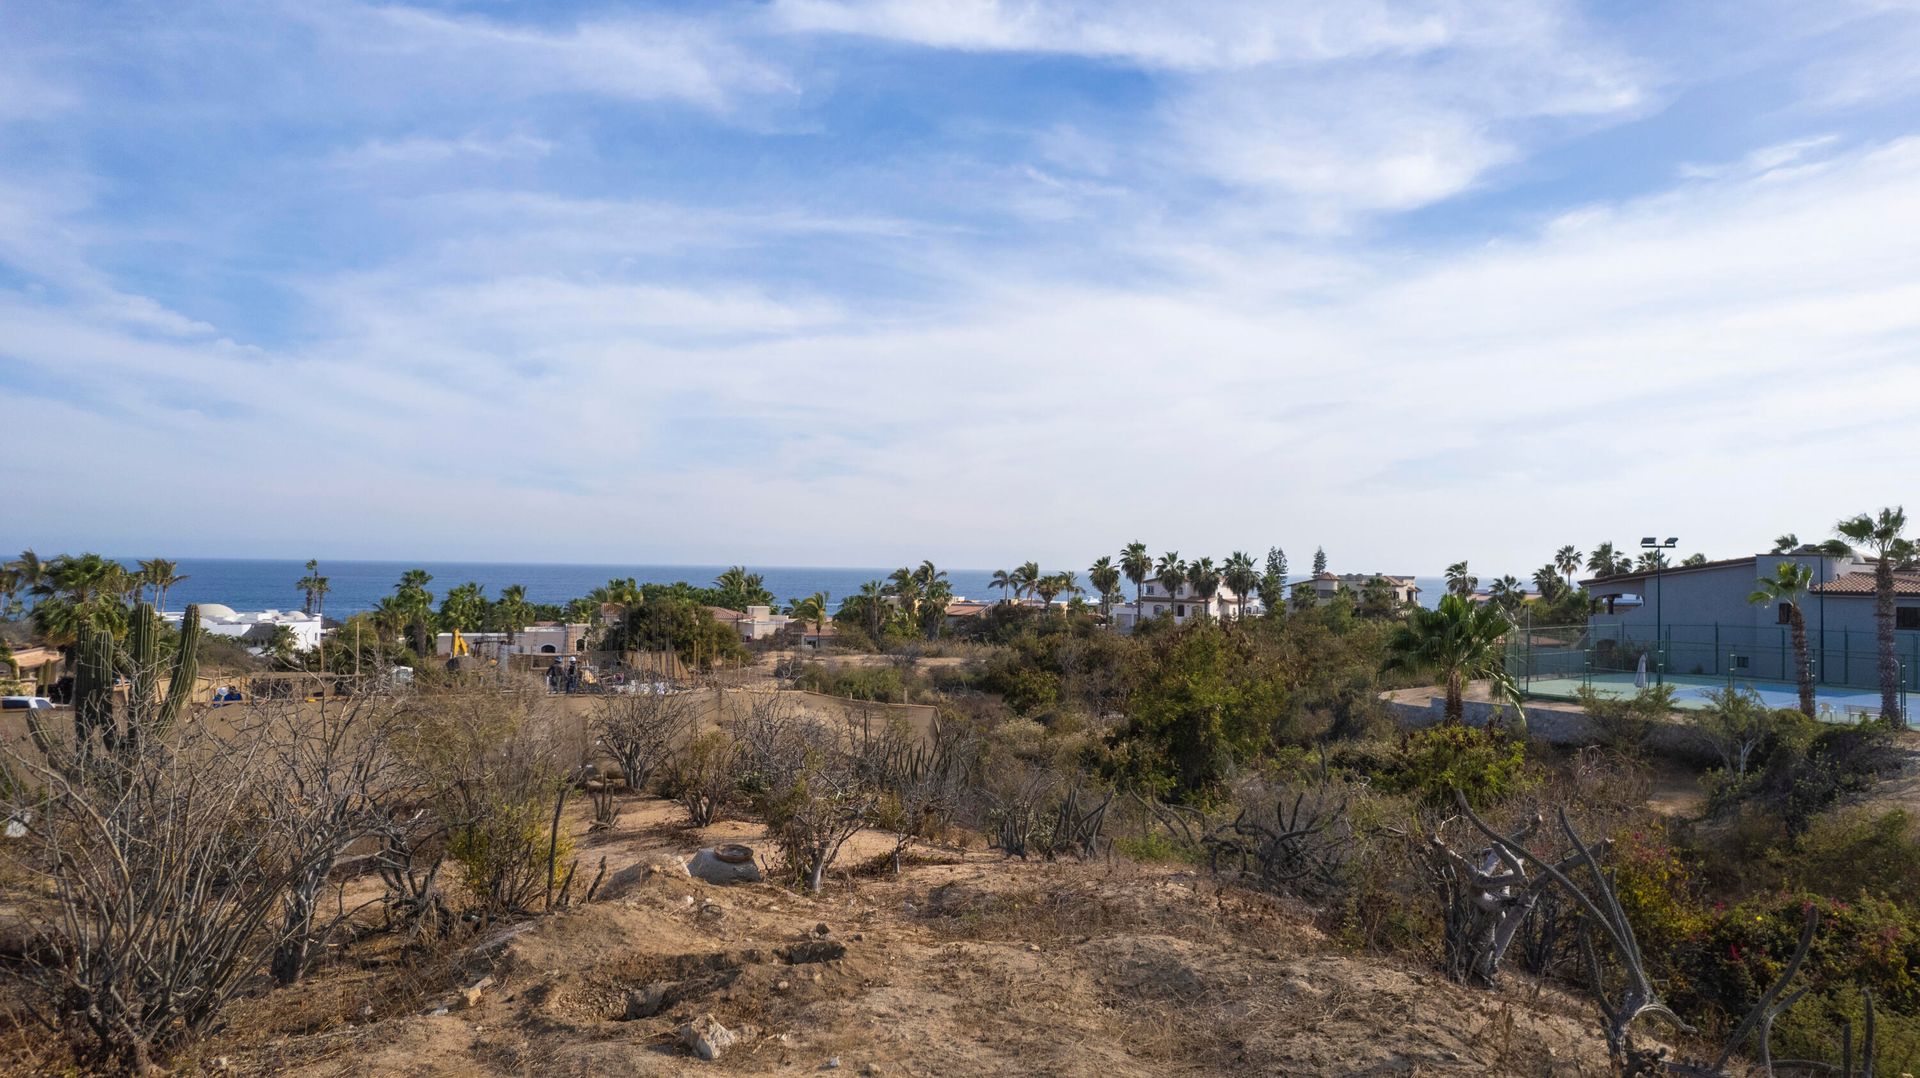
{"points": [[1326, 585]]}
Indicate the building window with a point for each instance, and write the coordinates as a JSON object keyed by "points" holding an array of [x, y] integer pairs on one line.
{"points": [[1906, 617], [1786, 614], [1180, 611]]}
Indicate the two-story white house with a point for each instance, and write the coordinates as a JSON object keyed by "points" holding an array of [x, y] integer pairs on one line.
{"points": [[1180, 604]]}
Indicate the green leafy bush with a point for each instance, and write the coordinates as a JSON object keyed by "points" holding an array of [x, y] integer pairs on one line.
{"points": [[1487, 765]]}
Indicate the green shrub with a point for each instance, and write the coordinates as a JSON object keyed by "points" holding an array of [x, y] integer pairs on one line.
{"points": [[1432, 764]]}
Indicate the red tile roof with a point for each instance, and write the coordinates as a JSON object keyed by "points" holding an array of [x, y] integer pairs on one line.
{"points": [[1905, 582]]}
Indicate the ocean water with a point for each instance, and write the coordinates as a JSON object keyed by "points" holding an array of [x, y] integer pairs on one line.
{"points": [[250, 584]]}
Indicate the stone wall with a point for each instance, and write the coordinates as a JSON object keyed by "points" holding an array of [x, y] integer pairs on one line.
{"points": [[1560, 725]]}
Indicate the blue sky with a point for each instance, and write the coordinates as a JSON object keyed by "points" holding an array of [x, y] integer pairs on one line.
{"points": [[863, 281]]}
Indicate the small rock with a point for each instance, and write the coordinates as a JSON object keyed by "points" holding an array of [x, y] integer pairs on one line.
{"points": [[646, 1001], [1034, 947], [470, 995], [436, 1012], [870, 1069], [367, 1011], [821, 929], [831, 1064], [705, 1037], [782, 986]]}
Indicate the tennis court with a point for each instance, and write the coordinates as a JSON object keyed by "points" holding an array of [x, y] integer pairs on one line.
{"points": [[1691, 690]]}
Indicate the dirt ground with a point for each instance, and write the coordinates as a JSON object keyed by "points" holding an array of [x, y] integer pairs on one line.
{"points": [[967, 964]]}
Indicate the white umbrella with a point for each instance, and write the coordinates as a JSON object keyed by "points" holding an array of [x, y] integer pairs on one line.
{"points": [[1640, 672]]}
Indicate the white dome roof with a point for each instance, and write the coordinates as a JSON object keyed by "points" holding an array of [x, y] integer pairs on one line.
{"points": [[216, 610]]}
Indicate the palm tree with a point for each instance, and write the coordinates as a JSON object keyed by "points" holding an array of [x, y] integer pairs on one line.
{"points": [[813, 608], [29, 572], [905, 588], [1602, 561], [873, 603], [1170, 573], [1459, 642], [1693, 559], [1241, 577], [734, 579], [164, 576], [1459, 581], [1026, 579], [1206, 583], [1786, 544], [1049, 586], [1651, 561], [415, 602], [1004, 581], [1881, 535], [1136, 565], [312, 586], [1567, 560], [512, 610], [1787, 586], [464, 607], [1105, 578], [1508, 592], [1549, 581]]}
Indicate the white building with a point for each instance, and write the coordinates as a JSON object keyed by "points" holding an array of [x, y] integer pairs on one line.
{"points": [[1180, 604], [255, 627]]}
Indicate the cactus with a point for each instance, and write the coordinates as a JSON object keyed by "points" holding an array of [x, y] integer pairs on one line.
{"points": [[147, 712]]}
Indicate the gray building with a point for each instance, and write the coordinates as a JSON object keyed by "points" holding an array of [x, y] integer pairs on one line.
{"points": [[1698, 619]]}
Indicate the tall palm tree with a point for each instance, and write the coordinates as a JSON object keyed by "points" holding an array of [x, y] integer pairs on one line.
{"points": [[513, 610], [1051, 585], [1603, 560], [1105, 578], [1136, 565], [873, 604], [163, 575], [734, 579], [1459, 581], [1508, 592], [1004, 581], [314, 588], [1881, 536], [1027, 577], [29, 572], [1788, 585], [1459, 642], [1205, 580], [813, 608], [905, 588], [1651, 561], [1786, 544], [1170, 573], [1240, 575], [464, 607], [1549, 581], [1567, 560]]}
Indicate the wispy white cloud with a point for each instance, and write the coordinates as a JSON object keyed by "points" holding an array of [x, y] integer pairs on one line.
{"points": [[1188, 319]]}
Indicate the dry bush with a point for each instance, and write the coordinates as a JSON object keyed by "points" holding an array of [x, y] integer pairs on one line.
{"points": [[167, 873], [704, 776], [827, 804], [488, 764], [642, 730], [334, 759]]}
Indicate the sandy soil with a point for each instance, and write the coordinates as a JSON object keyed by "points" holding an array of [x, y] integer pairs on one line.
{"points": [[966, 964]]}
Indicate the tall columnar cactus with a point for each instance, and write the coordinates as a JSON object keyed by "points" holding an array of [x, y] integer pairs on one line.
{"points": [[147, 712]]}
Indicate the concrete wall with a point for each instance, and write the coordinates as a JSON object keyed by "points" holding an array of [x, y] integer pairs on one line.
{"points": [[1568, 726]]}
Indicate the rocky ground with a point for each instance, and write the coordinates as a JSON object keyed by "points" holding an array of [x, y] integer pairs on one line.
{"points": [[966, 964]]}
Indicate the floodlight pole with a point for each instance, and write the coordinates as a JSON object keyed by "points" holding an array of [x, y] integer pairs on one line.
{"points": [[1659, 563]]}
